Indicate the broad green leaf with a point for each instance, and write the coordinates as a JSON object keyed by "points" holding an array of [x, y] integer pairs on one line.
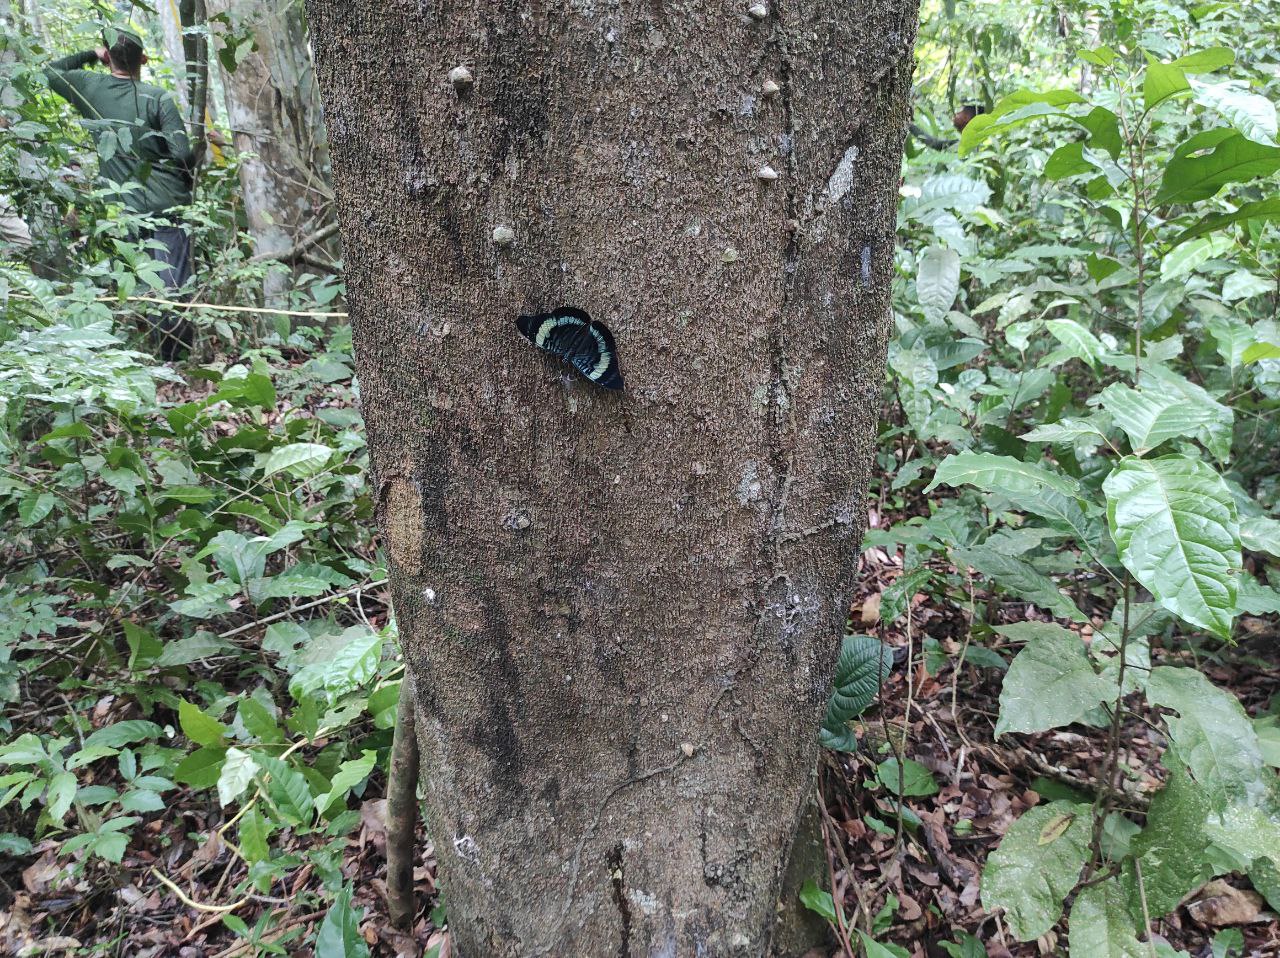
{"points": [[287, 790], [1268, 209], [1160, 82], [1102, 926], [1206, 61], [1017, 108], [1050, 683], [916, 780], [299, 459], [1211, 733], [1030, 877], [1175, 528], [1104, 132], [817, 900], [863, 666], [238, 769], [62, 790], [35, 507], [1260, 351], [875, 949], [202, 729], [1002, 474], [1170, 848], [1261, 534], [1067, 160], [254, 831], [349, 775], [937, 281], [339, 934], [1191, 177], [1019, 578], [1251, 114], [1243, 284], [1189, 257], [1076, 340], [353, 664], [1168, 408], [124, 733], [200, 769]]}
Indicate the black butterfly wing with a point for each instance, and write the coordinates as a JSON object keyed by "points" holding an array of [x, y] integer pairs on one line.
{"points": [[571, 335]]}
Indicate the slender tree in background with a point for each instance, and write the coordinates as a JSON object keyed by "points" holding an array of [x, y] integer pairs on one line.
{"points": [[620, 610], [273, 109]]}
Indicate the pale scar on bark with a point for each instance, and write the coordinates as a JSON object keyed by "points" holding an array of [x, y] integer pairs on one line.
{"points": [[402, 521]]}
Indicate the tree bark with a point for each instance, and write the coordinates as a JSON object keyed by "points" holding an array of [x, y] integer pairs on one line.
{"points": [[273, 109], [620, 610]]}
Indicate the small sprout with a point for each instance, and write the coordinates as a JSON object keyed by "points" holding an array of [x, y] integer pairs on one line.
{"points": [[730, 255], [766, 174], [688, 749], [769, 89], [504, 235], [758, 11], [461, 78]]}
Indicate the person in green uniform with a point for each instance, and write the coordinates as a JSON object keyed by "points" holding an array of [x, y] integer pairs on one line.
{"points": [[144, 151]]}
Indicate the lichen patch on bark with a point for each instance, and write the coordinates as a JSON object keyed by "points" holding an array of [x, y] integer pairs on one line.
{"points": [[402, 520]]}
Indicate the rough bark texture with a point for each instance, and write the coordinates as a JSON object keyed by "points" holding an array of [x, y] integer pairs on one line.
{"points": [[273, 108], [402, 812], [620, 610]]}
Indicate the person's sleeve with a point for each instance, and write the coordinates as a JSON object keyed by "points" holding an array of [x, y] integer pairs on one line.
{"points": [[174, 132], [65, 81]]}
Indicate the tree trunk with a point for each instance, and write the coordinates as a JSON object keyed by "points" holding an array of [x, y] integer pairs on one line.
{"points": [[620, 610], [273, 109]]}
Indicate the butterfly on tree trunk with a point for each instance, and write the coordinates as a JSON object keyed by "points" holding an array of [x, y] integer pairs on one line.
{"points": [[571, 335]]}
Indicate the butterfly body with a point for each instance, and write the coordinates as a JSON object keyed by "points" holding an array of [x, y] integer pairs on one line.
{"points": [[571, 335]]}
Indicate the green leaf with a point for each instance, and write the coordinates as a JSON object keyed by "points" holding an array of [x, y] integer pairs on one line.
{"points": [[339, 934], [1067, 160], [287, 790], [875, 949], [1104, 132], [299, 459], [35, 507], [200, 769], [1036, 865], [1101, 925], [916, 779], [1206, 61], [1161, 81], [1002, 474], [1268, 209], [349, 775], [1019, 578], [818, 901], [863, 666], [1260, 351], [1050, 683], [354, 663], [1211, 734], [1188, 257], [1175, 527], [1251, 114], [1076, 340], [62, 790], [254, 831], [1191, 176], [1170, 850], [202, 729], [124, 733], [238, 769], [1168, 408], [937, 281]]}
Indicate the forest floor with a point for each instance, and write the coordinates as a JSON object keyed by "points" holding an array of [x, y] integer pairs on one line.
{"points": [[915, 882]]}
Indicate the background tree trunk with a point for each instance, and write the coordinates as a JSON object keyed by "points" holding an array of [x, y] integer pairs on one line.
{"points": [[620, 610], [273, 109]]}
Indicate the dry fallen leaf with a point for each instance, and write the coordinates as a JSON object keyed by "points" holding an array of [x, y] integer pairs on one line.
{"points": [[1220, 904]]}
